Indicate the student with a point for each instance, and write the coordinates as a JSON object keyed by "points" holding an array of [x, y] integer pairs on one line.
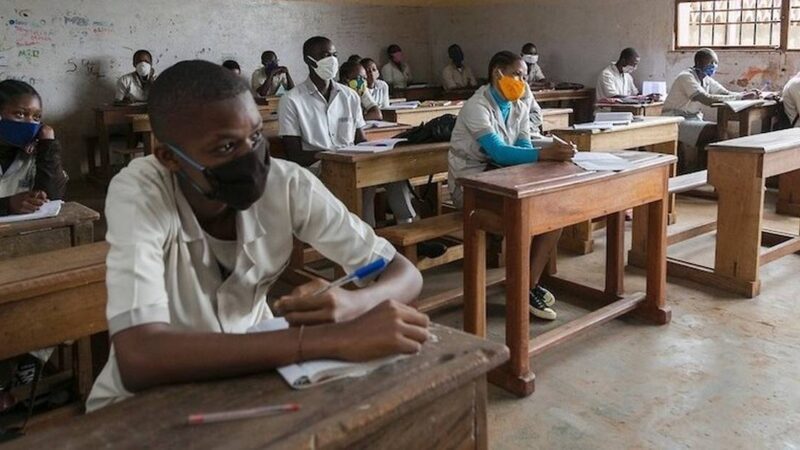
{"points": [[456, 75], [378, 88], [30, 156], [692, 89], [354, 58], [616, 81], [493, 129], [791, 100], [536, 78], [135, 86], [200, 230], [323, 115], [233, 66], [396, 73], [354, 75], [271, 78]]}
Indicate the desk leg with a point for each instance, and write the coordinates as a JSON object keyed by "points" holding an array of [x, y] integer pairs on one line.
{"points": [[655, 307], [104, 147], [615, 254], [636, 257], [474, 270], [723, 117], [669, 148], [740, 187], [341, 180], [789, 194], [745, 123]]}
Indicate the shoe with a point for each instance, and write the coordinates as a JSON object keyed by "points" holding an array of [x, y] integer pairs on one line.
{"points": [[431, 249], [546, 295], [538, 307]]}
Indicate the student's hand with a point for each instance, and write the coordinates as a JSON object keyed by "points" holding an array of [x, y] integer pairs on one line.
{"points": [[655, 97], [387, 329], [557, 152], [302, 308], [751, 95], [46, 132], [26, 202]]}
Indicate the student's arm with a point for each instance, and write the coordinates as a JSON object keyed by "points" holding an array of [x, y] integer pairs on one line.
{"points": [[22, 203], [715, 95], [50, 175], [289, 81], [608, 87], [267, 87], [371, 109], [503, 154], [293, 146], [290, 132], [471, 81], [374, 113], [448, 82], [121, 94]]}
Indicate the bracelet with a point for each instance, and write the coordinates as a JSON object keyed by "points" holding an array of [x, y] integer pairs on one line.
{"points": [[300, 344]]}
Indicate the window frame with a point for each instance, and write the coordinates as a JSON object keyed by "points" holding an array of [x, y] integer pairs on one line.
{"points": [[782, 46]]}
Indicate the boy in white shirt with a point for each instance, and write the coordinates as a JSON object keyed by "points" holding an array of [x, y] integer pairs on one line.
{"points": [[378, 88], [616, 80], [396, 72], [134, 87], [791, 100], [200, 230], [536, 78], [271, 78], [457, 75]]}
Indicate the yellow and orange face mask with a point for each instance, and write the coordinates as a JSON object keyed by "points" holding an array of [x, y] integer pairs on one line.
{"points": [[512, 88]]}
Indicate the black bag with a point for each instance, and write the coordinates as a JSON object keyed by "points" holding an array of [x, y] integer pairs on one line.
{"points": [[783, 121], [436, 130]]}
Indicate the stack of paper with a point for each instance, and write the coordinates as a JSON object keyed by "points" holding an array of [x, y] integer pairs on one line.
{"points": [[593, 126], [600, 161], [741, 105], [654, 87], [377, 146], [379, 124], [617, 118], [402, 105], [49, 209]]}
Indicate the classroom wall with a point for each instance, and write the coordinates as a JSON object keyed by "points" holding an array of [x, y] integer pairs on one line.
{"points": [[578, 38], [73, 51]]}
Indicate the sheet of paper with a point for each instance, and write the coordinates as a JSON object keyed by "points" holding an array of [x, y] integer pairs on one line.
{"points": [[378, 146], [593, 126], [601, 161], [654, 87], [741, 105], [379, 124], [49, 209], [402, 105], [614, 117]]}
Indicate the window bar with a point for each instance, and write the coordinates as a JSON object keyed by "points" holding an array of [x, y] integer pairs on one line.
{"points": [[741, 19], [713, 22]]}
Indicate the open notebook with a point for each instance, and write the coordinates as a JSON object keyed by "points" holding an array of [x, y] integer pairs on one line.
{"points": [[376, 146], [317, 372], [49, 209]]}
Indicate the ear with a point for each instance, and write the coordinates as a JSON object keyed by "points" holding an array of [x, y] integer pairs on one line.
{"points": [[167, 158]]}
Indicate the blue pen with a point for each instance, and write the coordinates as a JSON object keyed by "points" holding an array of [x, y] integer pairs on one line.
{"points": [[362, 273]]}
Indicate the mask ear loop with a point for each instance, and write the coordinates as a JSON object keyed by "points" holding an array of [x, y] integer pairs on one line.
{"points": [[197, 166]]}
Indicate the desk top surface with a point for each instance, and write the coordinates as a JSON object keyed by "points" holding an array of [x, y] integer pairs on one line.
{"points": [[410, 150], [545, 93], [425, 109], [629, 105], [336, 414], [764, 104], [556, 111], [644, 122], [543, 177], [775, 141], [71, 213]]}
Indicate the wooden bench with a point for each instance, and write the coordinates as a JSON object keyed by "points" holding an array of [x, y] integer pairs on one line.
{"points": [[405, 238]]}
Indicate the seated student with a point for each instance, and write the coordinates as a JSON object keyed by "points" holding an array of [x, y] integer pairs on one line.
{"points": [[271, 78], [135, 86], [493, 129], [616, 81], [378, 88], [233, 66], [536, 78], [324, 115], [396, 73], [200, 230], [30, 156], [692, 89], [354, 58], [791, 100], [456, 75], [354, 75]]}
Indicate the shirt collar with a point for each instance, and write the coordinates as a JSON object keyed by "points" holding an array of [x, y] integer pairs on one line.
{"points": [[311, 89]]}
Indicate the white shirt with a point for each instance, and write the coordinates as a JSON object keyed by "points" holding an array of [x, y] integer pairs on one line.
{"points": [[321, 124], [380, 93], [680, 100], [280, 83], [367, 101], [130, 86], [612, 83], [480, 116], [160, 268], [791, 99], [19, 177], [535, 72], [456, 78], [394, 77]]}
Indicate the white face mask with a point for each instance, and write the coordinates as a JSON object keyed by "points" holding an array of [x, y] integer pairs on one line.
{"points": [[143, 69], [629, 69], [327, 67], [530, 59]]}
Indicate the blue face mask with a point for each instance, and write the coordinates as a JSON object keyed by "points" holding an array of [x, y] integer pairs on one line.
{"points": [[18, 134], [710, 70]]}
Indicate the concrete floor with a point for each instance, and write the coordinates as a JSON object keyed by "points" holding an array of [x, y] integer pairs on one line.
{"points": [[725, 373]]}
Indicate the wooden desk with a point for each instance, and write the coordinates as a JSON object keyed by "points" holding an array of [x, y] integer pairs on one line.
{"points": [[738, 169], [374, 134], [657, 134], [637, 109], [419, 93], [50, 298], [433, 400], [581, 100], [73, 226], [528, 200], [415, 117], [763, 113], [106, 117], [555, 118]]}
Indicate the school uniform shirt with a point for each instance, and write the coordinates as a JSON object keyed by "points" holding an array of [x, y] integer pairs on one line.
{"points": [[21, 172], [457, 77], [367, 101], [480, 116], [537, 119], [321, 124], [380, 93], [161, 267], [612, 83], [397, 78], [791, 100], [535, 72], [280, 83], [132, 87]]}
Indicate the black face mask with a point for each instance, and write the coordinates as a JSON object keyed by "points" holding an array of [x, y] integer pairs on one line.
{"points": [[238, 183]]}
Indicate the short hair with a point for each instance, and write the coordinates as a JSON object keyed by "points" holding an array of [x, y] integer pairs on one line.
{"points": [[367, 61], [703, 56], [528, 47], [266, 54], [231, 65], [11, 89], [354, 58], [347, 69], [188, 85], [628, 53], [394, 48], [502, 60], [142, 52], [313, 42]]}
